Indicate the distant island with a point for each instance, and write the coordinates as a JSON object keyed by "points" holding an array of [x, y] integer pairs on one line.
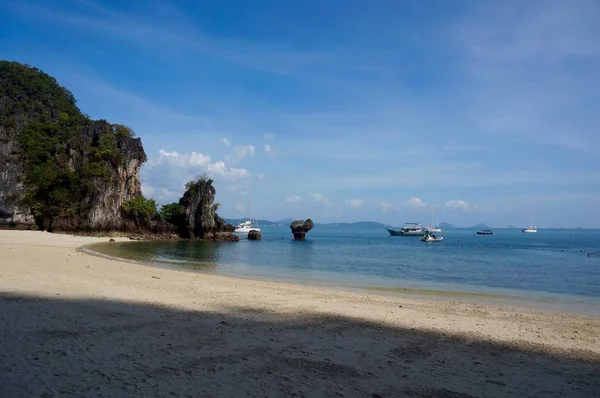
{"points": [[445, 225], [479, 226]]}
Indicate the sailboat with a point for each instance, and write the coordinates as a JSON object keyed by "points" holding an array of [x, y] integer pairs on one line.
{"points": [[531, 229], [433, 227], [246, 226]]}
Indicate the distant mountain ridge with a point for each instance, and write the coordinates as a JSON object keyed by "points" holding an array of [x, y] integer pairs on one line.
{"points": [[479, 226]]}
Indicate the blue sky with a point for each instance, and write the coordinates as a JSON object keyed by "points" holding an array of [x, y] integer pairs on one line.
{"points": [[342, 111]]}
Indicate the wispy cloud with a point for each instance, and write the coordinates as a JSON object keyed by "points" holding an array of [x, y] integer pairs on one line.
{"points": [[416, 203], [457, 204], [268, 148], [241, 151], [319, 198], [225, 142], [526, 69], [355, 203], [155, 23], [293, 199], [268, 136]]}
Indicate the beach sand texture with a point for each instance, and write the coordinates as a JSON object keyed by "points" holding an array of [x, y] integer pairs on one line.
{"points": [[72, 324]]}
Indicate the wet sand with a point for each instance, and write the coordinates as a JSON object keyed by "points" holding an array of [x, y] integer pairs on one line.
{"points": [[76, 324]]}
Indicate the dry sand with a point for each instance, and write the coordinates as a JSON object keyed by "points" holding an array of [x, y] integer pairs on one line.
{"points": [[73, 324]]}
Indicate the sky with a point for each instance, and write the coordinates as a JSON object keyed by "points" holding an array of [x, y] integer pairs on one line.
{"points": [[341, 111]]}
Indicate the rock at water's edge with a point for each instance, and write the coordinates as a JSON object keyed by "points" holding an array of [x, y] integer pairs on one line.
{"points": [[254, 235], [300, 228]]}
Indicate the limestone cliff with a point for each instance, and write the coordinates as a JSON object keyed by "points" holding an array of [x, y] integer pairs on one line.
{"points": [[59, 170], [200, 218]]}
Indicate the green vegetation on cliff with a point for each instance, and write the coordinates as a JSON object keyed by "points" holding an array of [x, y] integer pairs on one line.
{"points": [[173, 213], [139, 210], [67, 160]]}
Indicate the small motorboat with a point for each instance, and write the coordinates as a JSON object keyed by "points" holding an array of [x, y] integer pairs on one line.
{"points": [[432, 238], [485, 232]]}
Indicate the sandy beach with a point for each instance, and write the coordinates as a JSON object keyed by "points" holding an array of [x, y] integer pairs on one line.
{"points": [[73, 324]]}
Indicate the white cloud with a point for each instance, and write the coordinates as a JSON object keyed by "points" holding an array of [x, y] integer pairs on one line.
{"points": [[458, 205], [261, 176], [242, 151], [462, 205], [268, 136], [240, 207], [319, 198], [147, 190], [356, 203], [293, 199], [225, 142], [166, 175], [268, 148], [415, 202]]}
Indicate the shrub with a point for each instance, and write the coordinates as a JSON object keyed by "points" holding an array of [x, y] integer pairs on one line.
{"points": [[172, 213], [140, 210]]}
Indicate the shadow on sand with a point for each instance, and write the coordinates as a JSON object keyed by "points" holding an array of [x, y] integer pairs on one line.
{"points": [[55, 347]]}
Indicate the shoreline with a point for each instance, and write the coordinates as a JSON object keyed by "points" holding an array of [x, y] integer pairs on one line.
{"points": [[106, 323], [536, 300]]}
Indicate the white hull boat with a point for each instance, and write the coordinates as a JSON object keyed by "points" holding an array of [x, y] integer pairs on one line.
{"points": [[531, 229], [245, 227]]}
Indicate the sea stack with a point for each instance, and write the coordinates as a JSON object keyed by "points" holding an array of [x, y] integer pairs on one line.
{"points": [[254, 235], [300, 228]]}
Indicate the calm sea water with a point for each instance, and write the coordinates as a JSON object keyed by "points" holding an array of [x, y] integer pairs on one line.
{"points": [[549, 265]]}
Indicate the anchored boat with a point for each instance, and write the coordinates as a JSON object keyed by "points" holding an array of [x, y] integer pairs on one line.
{"points": [[408, 229]]}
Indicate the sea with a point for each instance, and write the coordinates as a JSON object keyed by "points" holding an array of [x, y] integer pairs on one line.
{"points": [[550, 268]]}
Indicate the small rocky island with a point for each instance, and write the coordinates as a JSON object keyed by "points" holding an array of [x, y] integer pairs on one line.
{"points": [[300, 228], [64, 172]]}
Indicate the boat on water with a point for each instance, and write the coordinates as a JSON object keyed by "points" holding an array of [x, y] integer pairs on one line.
{"points": [[485, 232], [531, 229], [251, 224], [429, 237], [433, 225], [408, 229], [246, 226]]}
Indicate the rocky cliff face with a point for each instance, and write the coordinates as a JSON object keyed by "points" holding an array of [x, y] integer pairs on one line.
{"points": [[121, 182], [10, 186], [58, 169]]}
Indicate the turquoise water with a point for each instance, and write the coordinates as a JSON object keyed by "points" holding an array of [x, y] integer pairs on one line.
{"points": [[552, 264]]}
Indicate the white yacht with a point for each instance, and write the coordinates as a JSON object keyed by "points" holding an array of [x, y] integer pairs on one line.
{"points": [[531, 229], [246, 226]]}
